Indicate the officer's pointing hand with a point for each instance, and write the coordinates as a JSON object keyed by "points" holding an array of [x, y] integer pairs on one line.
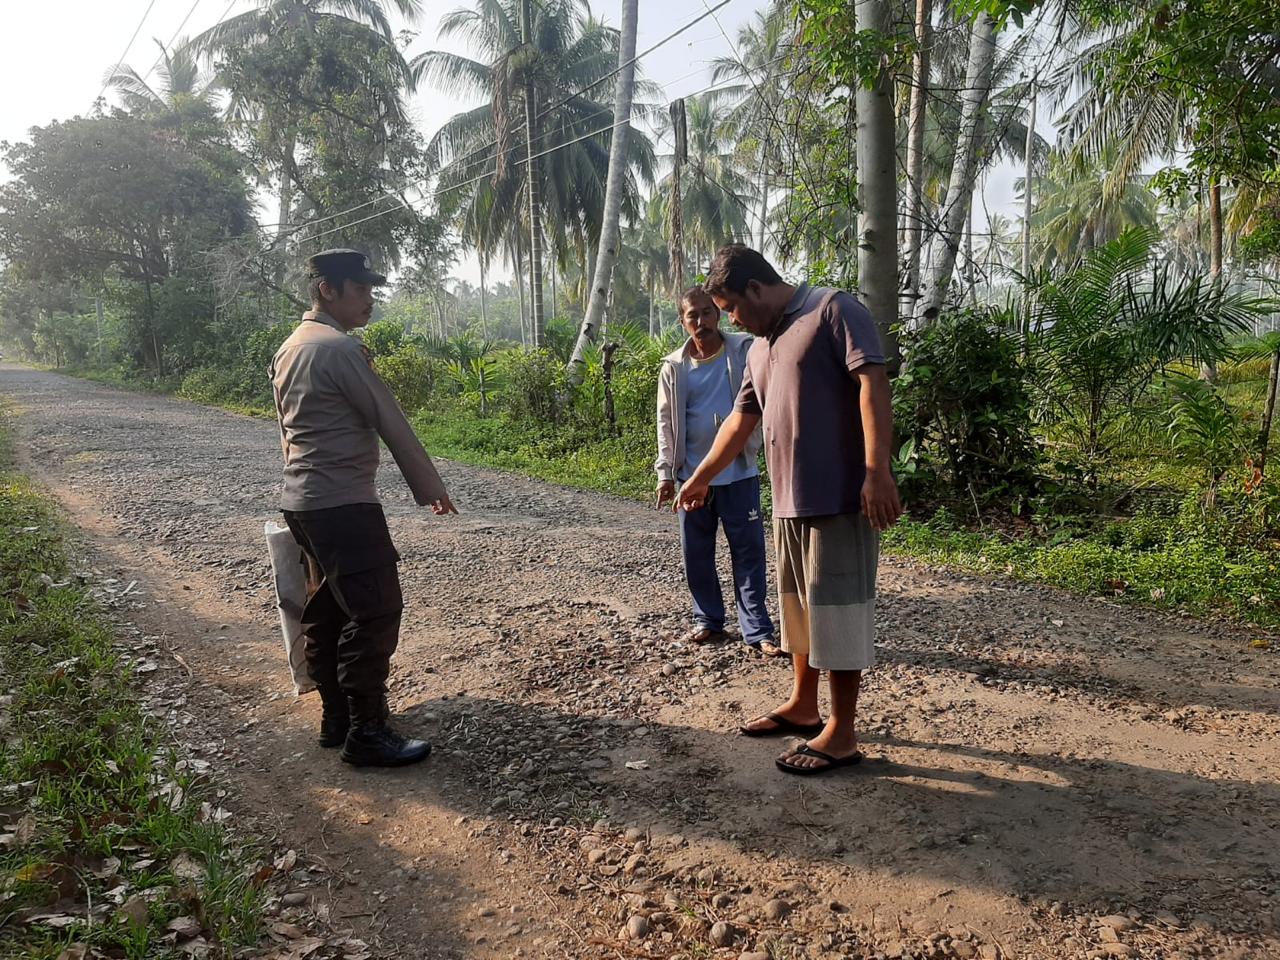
{"points": [[443, 506]]}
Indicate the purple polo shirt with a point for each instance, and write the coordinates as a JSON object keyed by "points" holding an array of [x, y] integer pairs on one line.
{"points": [[801, 380]]}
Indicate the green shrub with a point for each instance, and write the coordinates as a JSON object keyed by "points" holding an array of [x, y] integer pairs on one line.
{"points": [[533, 384], [962, 403], [410, 373]]}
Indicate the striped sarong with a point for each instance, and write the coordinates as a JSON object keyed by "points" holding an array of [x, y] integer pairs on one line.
{"points": [[827, 589]]}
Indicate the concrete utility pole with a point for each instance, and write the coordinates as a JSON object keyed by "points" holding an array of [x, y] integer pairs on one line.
{"points": [[532, 178]]}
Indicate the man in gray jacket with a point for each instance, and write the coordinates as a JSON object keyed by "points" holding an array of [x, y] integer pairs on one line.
{"points": [[696, 390], [333, 408]]}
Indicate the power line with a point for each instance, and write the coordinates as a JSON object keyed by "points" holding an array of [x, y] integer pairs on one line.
{"points": [[136, 30], [484, 176], [165, 49], [555, 106]]}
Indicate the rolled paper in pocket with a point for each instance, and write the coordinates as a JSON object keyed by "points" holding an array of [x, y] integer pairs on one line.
{"points": [[289, 573]]}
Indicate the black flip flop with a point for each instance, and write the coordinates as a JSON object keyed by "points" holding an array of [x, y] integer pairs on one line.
{"points": [[784, 727], [805, 750]]}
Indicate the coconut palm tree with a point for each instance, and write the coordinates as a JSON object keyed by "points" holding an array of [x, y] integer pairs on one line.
{"points": [[179, 80], [276, 61], [1076, 208], [716, 192], [479, 152], [646, 260], [759, 70]]}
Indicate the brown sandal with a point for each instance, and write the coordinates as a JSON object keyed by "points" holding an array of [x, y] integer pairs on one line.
{"points": [[705, 635], [782, 727]]}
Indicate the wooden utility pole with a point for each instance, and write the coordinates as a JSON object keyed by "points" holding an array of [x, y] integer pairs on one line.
{"points": [[679, 157], [1028, 157]]}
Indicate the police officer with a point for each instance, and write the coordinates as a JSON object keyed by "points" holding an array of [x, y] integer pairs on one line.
{"points": [[333, 408]]}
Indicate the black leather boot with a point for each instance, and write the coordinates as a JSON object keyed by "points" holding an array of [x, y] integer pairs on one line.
{"points": [[372, 743], [335, 718]]}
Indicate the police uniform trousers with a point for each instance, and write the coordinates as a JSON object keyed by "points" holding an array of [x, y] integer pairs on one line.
{"points": [[351, 620]]}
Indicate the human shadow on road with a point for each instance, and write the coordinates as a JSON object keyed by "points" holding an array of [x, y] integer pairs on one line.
{"points": [[1094, 834]]}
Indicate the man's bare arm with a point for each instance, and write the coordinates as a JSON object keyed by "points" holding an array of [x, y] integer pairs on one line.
{"points": [[880, 502], [731, 440]]}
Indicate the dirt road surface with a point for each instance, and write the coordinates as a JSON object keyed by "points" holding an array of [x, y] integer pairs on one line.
{"points": [[1047, 777]]}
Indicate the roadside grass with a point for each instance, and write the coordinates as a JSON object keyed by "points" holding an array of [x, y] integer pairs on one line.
{"points": [[109, 838], [1178, 561], [615, 465], [1197, 574]]}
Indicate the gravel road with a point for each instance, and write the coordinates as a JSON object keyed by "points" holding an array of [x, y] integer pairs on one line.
{"points": [[1047, 776]]}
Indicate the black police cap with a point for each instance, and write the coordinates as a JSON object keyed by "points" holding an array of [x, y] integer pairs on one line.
{"points": [[343, 264]]}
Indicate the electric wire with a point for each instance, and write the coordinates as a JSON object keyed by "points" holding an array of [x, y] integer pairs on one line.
{"points": [[128, 46], [519, 127], [484, 176]]}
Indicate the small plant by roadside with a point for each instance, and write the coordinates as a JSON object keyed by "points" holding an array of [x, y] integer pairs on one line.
{"points": [[111, 843]]}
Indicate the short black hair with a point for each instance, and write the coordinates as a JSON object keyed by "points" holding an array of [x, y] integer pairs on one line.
{"points": [[695, 292], [314, 287], [736, 265]]}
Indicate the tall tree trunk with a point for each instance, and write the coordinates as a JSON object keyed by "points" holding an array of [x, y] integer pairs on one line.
{"points": [[554, 299], [1028, 158], [939, 264], [1268, 412], [679, 156], [914, 232], [1209, 369], [878, 189], [151, 325], [653, 313], [764, 195], [610, 230], [484, 305], [970, 274], [1215, 229], [533, 177], [524, 341], [285, 214]]}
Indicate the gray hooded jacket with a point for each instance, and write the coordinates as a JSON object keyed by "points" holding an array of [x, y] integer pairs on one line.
{"points": [[673, 393]]}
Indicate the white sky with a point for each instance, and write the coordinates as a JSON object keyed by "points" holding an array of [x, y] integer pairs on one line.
{"points": [[55, 70]]}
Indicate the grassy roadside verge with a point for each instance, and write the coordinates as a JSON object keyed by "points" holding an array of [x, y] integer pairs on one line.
{"points": [[1179, 564], [110, 844]]}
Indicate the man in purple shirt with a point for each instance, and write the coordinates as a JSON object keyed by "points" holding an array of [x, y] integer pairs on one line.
{"points": [[816, 380]]}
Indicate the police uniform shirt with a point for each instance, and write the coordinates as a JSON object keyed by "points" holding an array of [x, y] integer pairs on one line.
{"points": [[332, 409]]}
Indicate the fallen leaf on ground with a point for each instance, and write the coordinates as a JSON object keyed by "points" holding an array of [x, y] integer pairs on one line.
{"points": [[185, 867], [135, 910], [185, 927], [25, 832], [55, 920], [110, 867]]}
